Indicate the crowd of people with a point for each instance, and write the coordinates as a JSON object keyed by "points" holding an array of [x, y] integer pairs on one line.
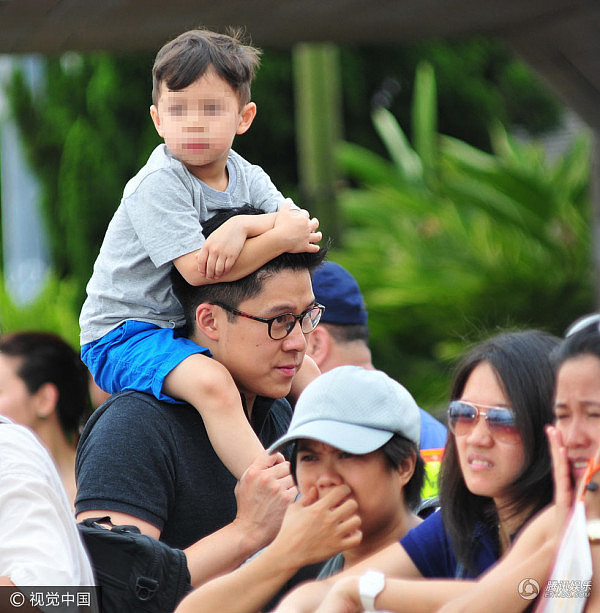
{"points": [[245, 427]]}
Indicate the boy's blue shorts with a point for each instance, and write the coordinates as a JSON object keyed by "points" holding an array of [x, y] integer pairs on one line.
{"points": [[138, 356]]}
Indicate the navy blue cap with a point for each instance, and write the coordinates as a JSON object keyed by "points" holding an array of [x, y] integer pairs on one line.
{"points": [[337, 290]]}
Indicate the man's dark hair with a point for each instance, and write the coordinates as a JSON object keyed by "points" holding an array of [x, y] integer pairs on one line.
{"points": [[232, 293], [348, 333], [189, 56]]}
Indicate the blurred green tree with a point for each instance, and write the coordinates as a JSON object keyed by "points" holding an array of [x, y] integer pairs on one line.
{"points": [[450, 243], [90, 132], [85, 137]]}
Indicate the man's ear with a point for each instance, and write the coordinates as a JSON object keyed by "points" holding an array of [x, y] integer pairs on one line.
{"points": [[406, 468], [46, 399], [207, 321], [156, 120], [247, 115], [318, 345]]}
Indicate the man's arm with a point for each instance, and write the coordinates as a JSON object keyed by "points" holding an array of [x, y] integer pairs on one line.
{"points": [[313, 530], [263, 494]]}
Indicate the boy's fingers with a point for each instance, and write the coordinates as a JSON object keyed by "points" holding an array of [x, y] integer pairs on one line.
{"points": [[219, 267], [210, 266], [229, 262], [201, 259], [302, 212]]}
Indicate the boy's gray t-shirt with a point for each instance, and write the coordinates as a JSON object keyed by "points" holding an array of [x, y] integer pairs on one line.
{"points": [[159, 219]]}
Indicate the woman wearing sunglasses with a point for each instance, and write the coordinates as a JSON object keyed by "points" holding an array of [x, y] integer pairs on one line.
{"points": [[495, 475], [575, 441]]}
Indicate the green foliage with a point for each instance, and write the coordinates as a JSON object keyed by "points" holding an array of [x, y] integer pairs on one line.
{"points": [[89, 132], [85, 136], [55, 310], [450, 243], [478, 81]]}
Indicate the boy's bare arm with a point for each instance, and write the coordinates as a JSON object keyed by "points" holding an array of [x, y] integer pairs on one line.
{"points": [[223, 245], [246, 242], [308, 372]]}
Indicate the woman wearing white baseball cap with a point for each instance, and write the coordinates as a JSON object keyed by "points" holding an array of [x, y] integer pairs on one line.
{"points": [[355, 436]]}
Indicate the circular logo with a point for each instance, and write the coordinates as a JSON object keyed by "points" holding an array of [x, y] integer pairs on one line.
{"points": [[529, 589], [17, 599]]}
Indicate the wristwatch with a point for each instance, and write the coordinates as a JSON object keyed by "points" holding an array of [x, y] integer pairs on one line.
{"points": [[593, 530], [369, 586]]}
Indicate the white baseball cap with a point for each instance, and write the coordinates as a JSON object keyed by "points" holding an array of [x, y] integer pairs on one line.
{"points": [[355, 410]]}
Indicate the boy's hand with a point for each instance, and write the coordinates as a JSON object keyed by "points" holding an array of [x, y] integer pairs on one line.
{"points": [[298, 230], [221, 249]]}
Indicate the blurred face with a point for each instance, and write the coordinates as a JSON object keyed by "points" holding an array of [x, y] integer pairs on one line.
{"points": [[258, 364], [577, 409], [375, 486], [199, 122], [489, 466], [15, 400]]}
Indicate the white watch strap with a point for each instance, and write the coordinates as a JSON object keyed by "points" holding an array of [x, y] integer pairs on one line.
{"points": [[369, 586]]}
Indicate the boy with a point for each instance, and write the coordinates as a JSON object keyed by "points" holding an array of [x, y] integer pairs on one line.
{"points": [[131, 322]]}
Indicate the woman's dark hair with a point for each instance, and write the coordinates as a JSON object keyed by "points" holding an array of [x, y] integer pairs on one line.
{"points": [[396, 450], [521, 362], [46, 358]]}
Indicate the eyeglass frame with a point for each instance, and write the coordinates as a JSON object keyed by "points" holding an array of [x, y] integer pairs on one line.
{"points": [[269, 320], [494, 428]]}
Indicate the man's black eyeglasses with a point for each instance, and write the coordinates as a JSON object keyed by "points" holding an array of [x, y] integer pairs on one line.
{"points": [[281, 326]]}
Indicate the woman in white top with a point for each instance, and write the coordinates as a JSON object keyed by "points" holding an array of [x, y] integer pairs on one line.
{"points": [[40, 543], [44, 386]]}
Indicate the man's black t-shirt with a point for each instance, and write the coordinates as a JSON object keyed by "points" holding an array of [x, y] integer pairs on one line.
{"points": [[154, 461]]}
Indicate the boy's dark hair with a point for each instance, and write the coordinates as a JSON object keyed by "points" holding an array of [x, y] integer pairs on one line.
{"points": [[47, 358], [232, 293], [189, 56]]}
